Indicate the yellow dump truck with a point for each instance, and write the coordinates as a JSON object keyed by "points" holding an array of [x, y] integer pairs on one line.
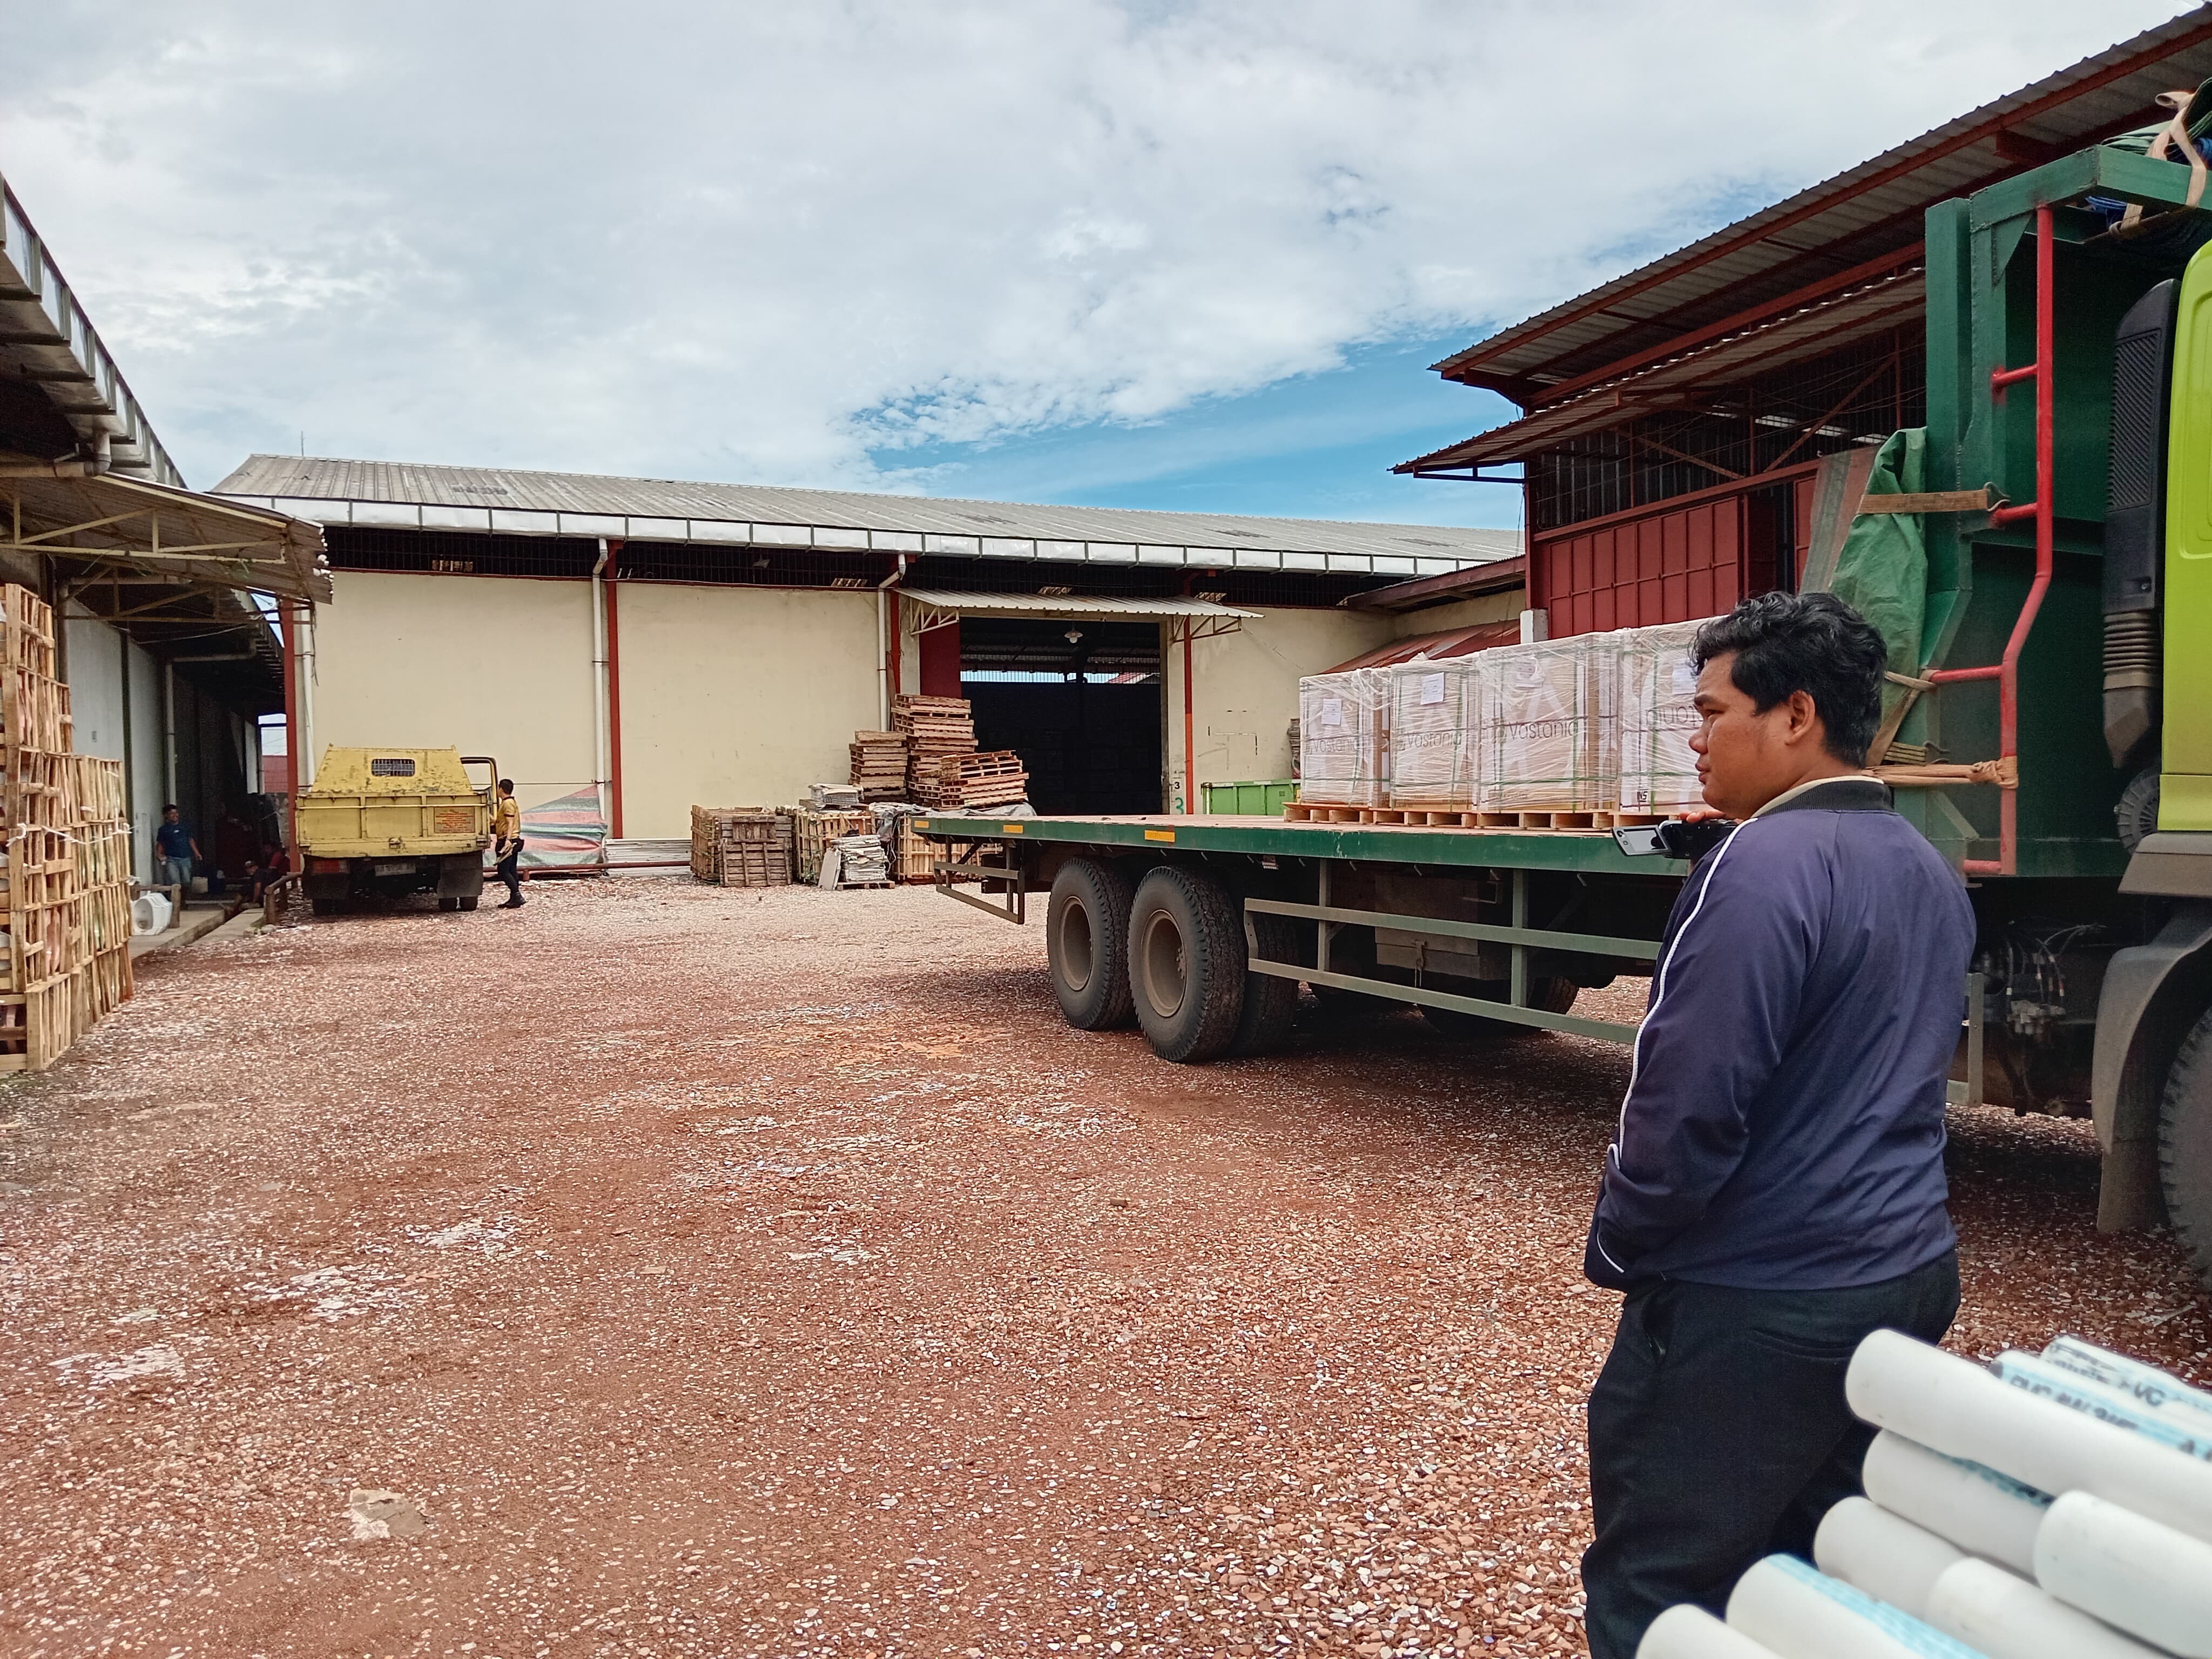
{"points": [[384, 823]]}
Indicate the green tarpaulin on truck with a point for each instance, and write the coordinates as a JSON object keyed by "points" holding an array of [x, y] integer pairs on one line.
{"points": [[1881, 570]]}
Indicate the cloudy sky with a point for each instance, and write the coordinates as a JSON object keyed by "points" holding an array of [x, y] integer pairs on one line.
{"points": [[1136, 253]]}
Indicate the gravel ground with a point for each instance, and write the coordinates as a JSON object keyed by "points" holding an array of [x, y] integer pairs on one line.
{"points": [[717, 1273]]}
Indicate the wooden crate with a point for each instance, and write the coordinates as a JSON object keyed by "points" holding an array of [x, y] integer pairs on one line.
{"points": [[812, 832], [755, 840]]}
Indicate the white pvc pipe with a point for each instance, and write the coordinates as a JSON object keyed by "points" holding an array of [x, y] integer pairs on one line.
{"points": [[1977, 1509], [1688, 1631], [1959, 1409], [2145, 1383], [1804, 1615], [2150, 1580], [2034, 1375], [2005, 1617], [1883, 1554]]}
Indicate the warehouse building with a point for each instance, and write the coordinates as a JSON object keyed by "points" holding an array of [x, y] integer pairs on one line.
{"points": [[165, 598], [635, 646], [1672, 420]]}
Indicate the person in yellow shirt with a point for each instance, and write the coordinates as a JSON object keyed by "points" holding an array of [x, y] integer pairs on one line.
{"points": [[507, 842]]}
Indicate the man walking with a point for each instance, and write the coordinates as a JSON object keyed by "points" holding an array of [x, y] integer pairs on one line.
{"points": [[507, 842], [176, 853], [1775, 1187]]}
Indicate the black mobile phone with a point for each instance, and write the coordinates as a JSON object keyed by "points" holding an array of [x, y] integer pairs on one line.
{"points": [[1674, 838]]}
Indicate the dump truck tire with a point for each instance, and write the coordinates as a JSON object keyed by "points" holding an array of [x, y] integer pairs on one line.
{"points": [[326, 894], [1270, 1002], [1087, 943], [459, 876], [468, 902], [2184, 1144], [1186, 964], [1553, 995]]}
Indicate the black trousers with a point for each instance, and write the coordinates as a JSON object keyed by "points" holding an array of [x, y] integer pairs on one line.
{"points": [[1718, 1434], [508, 872]]}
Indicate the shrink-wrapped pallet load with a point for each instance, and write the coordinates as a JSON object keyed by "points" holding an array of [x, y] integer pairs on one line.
{"points": [[1657, 717], [1435, 723], [1541, 747], [1344, 750]]}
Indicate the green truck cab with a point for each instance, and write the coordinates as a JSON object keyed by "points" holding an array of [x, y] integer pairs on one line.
{"points": [[385, 823]]}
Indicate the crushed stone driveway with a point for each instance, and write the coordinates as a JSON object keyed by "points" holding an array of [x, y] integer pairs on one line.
{"points": [[667, 1269]]}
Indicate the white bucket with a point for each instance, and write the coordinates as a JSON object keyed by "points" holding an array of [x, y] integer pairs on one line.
{"points": [[149, 913]]}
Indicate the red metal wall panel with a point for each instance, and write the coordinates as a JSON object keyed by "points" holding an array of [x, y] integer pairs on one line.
{"points": [[1666, 566], [940, 661]]}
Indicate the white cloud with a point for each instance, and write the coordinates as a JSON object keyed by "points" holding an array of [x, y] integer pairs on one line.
{"points": [[760, 242]]}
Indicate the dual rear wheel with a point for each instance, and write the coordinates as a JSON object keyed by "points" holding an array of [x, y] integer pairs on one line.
{"points": [[1169, 953], [1173, 951]]}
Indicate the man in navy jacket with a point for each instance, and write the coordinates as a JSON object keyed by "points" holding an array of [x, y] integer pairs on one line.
{"points": [[1775, 1187]]}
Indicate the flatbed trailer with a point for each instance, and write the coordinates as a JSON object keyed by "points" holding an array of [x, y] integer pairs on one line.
{"points": [[1482, 924], [2060, 720]]}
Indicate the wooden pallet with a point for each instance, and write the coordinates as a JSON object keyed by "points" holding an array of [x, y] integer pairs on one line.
{"points": [[1464, 819]]}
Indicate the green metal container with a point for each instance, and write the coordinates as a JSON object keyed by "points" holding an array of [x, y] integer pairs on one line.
{"points": [[1249, 800]]}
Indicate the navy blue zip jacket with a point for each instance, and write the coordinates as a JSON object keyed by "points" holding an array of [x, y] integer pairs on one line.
{"points": [[1783, 1126]]}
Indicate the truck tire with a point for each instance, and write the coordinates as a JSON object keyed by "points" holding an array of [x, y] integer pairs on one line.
{"points": [[467, 901], [1553, 995], [2184, 1144], [444, 904], [1186, 964], [1270, 1002], [458, 878], [326, 894], [1087, 943]]}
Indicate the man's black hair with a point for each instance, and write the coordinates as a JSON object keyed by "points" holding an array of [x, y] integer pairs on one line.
{"points": [[1808, 643], [508, 784], [171, 807]]}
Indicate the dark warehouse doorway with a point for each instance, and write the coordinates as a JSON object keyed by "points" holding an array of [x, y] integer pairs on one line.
{"points": [[1079, 701]]}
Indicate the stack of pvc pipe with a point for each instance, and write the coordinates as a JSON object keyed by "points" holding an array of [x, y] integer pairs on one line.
{"points": [[2051, 1506]]}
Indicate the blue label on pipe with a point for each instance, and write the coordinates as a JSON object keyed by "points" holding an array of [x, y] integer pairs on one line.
{"points": [[2040, 1377], [2147, 1384], [1899, 1626]]}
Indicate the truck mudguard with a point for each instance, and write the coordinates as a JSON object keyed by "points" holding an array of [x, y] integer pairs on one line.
{"points": [[2152, 995]]}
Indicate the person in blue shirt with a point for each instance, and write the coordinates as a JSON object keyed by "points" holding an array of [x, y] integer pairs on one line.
{"points": [[176, 851], [1775, 1187]]}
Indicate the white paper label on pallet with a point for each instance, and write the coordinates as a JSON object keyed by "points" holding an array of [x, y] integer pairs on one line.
{"points": [[1686, 679], [1332, 711], [1432, 690]]}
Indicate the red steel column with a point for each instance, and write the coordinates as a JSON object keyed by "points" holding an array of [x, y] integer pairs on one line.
{"points": [[614, 694]]}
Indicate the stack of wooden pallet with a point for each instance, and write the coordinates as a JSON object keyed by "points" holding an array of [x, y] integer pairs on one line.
{"points": [[880, 765], [935, 729], [741, 846], [968, 781], [67, 960]]}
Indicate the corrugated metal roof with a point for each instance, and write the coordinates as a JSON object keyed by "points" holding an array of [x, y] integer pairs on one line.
{"points": [[499, 499], [1858, 219], [1052, 609], [1670, 383], [52, 343]]}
